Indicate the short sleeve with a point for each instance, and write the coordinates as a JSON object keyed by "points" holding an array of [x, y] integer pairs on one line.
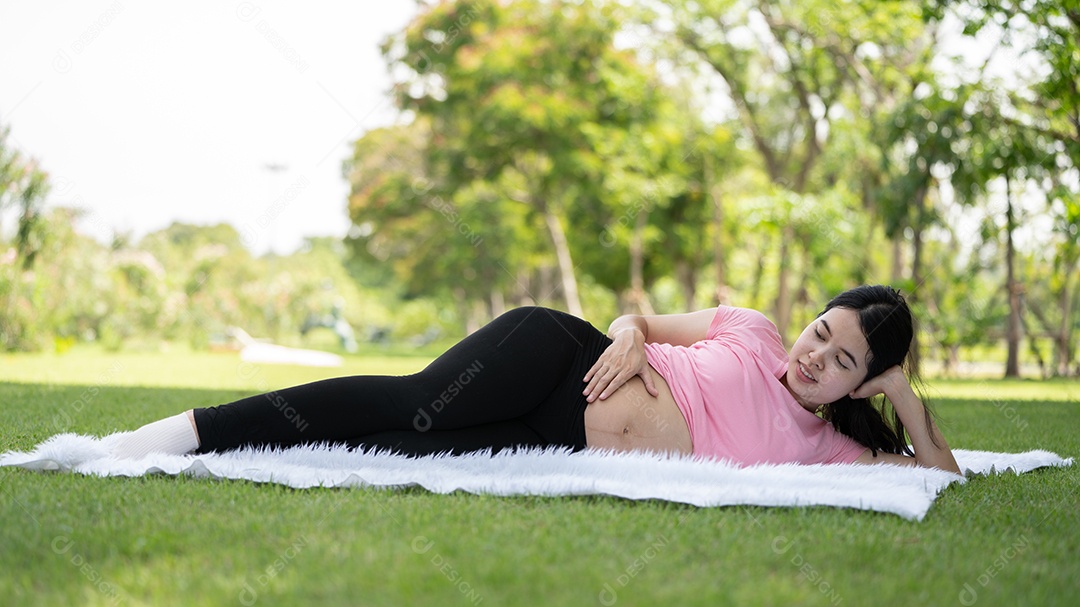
{"points": [[720, 321], [730, 319], [845, 450], [754, 330]]}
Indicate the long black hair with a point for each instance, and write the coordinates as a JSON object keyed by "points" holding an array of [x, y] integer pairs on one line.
{"points": [[889, 326]]}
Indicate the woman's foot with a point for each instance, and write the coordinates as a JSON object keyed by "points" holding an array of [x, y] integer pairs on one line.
{"points": [[174, 435]]}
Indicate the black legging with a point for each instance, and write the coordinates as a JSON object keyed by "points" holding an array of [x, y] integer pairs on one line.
{"points": [[516, 382]]}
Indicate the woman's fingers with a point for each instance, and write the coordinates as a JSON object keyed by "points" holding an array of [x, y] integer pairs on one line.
{"points": [[610, 386], [647, 378], [600, 374], [596, 367], [616, 365], [600, 383], [608, 380], [595, 379], [881, 383], [861, 392], [605, 382]]}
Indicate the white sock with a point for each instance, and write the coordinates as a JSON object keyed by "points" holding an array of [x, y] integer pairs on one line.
{"points": [[174, 435]]}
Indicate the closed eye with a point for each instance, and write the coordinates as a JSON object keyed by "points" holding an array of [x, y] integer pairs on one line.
{"points": [[846, 353], [840, 363]]}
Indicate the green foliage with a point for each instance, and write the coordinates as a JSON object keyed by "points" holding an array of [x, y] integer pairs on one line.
{"points": [[528, 114], [845, 136], [1028, 134], [23, 187], [184, 283]]}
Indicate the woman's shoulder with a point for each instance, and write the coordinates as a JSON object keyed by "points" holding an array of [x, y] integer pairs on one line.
{"points": [[753, 330], [733, 317]]}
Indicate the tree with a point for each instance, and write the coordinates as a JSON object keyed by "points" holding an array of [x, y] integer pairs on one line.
{"points": [[1047, 106], [923, 140], [524, 100], [797, 71], [23, 186], [433, 241], [1012, 154]]}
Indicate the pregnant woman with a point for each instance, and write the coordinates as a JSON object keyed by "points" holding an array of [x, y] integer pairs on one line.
{"points": [[714, 383]]}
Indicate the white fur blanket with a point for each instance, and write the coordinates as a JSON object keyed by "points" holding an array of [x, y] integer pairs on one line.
{"points": [[902, 490]]}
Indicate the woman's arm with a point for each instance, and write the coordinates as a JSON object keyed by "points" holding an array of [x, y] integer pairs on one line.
{"points": [[675, 329], [894, 384], [625, 358]]}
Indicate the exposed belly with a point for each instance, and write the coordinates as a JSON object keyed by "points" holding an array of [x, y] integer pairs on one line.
{"points": [[632, 419]]}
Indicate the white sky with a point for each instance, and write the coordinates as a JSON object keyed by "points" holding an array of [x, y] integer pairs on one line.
{"points": [[145, 114]]}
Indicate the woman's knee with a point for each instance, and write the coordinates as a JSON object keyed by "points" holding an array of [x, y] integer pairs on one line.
{"points": [[520, 313], [543, 319]]}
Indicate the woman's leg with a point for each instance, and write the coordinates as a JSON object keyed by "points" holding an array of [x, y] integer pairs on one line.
{"points": [[518, 367], [174, 434]]}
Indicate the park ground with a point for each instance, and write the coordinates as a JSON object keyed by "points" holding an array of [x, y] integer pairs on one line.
{"points": [[161, 540]]}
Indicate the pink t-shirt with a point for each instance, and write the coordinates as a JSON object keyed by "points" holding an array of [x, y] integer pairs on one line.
{"points": [[729, 391]]}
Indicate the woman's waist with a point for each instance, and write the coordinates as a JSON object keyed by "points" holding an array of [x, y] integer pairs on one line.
{"points": [[641, 414]]}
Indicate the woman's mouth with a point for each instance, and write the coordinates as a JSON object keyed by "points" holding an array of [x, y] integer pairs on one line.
{"points": [[804, 375]]}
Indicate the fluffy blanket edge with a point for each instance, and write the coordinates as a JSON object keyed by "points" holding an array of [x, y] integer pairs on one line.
{"points": [[902, 490]]}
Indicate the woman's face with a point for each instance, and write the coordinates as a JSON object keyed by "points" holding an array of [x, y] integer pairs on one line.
{"points": [[828, 360]]}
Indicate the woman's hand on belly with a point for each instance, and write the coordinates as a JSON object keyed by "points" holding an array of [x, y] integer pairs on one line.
{"points": [[633, 419], [621, 361]]}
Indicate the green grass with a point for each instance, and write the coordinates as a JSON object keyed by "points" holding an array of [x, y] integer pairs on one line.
{"points": [[75, 540]]}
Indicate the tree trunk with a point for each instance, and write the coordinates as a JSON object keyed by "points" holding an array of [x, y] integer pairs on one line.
{"points": [[722, 294], [759, 274], [478, 314], [520, 291], [802, 295], [1012, 361], [639, 299], [952, 362], [1069, 347], [496, 303], [1063, 339], [864, 269], [783, 294], [461, 302], [566, 264], [621, 302], [1032, 345], [1030, 305], [687, 277], [897, 272], [916, 274], [545, 286]]}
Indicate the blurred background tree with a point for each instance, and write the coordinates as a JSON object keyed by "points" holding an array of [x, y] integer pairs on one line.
{"points": [[23, 187]]}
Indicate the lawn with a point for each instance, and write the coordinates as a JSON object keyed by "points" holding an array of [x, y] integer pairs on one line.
{"points": [[73, 540]]}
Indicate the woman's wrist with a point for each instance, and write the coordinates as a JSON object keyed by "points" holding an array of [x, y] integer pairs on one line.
{"points": [[627, 325], [903, 399], [896, 387], [631, 332]]}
